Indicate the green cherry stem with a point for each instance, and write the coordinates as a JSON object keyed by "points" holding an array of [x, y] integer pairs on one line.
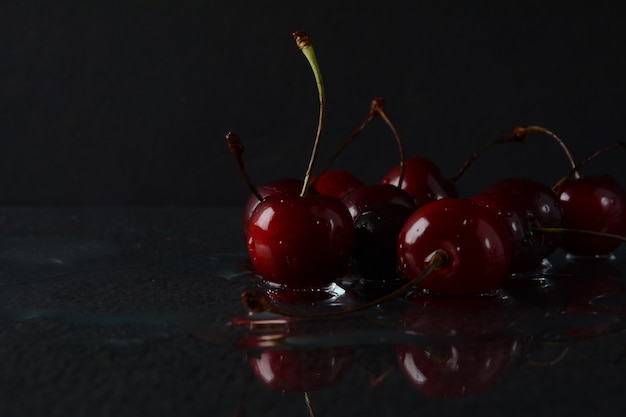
{"points": [[257, 302], [304, 44]]}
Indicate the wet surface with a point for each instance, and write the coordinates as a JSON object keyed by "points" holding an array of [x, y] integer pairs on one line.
{"points": [[113, 311]]}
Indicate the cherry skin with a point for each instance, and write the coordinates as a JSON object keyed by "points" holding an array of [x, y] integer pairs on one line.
{"points": [[376, 233], [361, 199], [301, 370], [282, 186], [336, 183], [476, 243], [457, 370], [596, 203], [539, 206], [300, 242], [508, 213], [422, 179]]}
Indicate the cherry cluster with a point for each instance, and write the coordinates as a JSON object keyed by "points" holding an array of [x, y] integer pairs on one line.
{"points": [[304, 235]]}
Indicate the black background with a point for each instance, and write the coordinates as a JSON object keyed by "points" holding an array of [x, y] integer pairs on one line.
{"points": [[128, 102]]}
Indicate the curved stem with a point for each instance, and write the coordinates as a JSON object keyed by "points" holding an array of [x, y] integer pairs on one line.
{"points": [[304, 44], [379, 109], [236, 148], [349, 139], [578, 231], [585, 161], [475, 154], [257, 302], [519, 135], [531, 129]]}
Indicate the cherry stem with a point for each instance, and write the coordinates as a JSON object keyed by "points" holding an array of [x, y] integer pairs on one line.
{"points": [[377, 108], [236, 148], [304, 44], [585, 161], [309, 406], [578, 231], [519, 135], [257, 302]]}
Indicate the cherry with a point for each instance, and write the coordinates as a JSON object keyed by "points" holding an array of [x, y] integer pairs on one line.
{"points": [[505, 208], [361, 199], [301, 370], [476, 244], [456, 369], [422, 179], [283, 186], [300, 242], [376, 232], [592, 203], [540, 208], [336, 183]]}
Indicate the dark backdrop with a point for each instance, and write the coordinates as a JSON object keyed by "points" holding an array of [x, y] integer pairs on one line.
{"points": [[128, 102]]}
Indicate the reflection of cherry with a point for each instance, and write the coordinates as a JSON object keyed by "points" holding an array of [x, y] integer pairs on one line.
{"points": [[595, 203], [456, 370], [422, 179], [475, 242], [586, 289], [470, 346], [301, 370]]}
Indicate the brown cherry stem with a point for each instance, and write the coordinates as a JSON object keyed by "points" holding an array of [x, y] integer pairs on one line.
{"points": [[377, 108], [257, 302], [519, 135], [585, 161], [304, 44], [236, 149], [578, 231]]}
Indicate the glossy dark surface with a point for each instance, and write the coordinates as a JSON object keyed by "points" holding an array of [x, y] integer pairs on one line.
{"points": [[126, 312]]}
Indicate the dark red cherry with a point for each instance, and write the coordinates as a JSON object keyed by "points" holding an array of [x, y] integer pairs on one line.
{"points": [[540, 208], [282, 186], [457, 370], [376, 233], [596, 203], [508, 212], [301, 370], [361, 199], [422, 179], [336, 183], [476, 243], [300, 242]]}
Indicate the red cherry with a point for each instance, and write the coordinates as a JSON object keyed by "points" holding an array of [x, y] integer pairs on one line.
{"points": [[508, 212], [301, 370], [300, 242], [282, 186], [456, 370], [540, 208], [336, 183], [422, 179], [595, 203], [361, 199], [476, 243]]}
